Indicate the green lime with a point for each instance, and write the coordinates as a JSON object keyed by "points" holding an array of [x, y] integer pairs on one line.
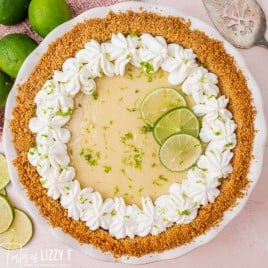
{"points": [[4, 176], [19, 233], [179, 152], [13, 11], [6, 214], [158, 102], [178, 120], [45, 15], [5, 86], [14, 49], [3, 191]]}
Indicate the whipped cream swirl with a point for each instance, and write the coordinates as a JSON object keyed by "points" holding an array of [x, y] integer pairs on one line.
{"points": [[75, 76], [122, 50], [201, 186], [179, 64], [177, 206], [54, 107], [153, 50], [95, 60], [201, 84]]}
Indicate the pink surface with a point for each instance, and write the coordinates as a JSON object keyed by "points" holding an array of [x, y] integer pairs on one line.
{"points": [[243, 243]]}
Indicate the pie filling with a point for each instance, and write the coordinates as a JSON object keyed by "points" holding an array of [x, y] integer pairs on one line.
{"points": [[114, 152], [90, 135]]}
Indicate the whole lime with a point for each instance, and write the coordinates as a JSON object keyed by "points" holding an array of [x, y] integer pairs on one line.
{"points": [[45, 15], [13, 11], [5, 86], [14, 49]]}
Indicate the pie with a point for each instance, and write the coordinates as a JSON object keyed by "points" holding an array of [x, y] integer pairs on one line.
{"points": [[90, 131]]}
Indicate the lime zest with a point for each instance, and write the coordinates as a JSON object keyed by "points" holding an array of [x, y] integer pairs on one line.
{"points": [[147, 67], [95, 95], [107, 169], [116, 189], [65, 113]]}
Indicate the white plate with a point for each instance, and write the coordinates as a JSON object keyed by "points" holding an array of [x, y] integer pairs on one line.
{"points": [[259, 141]]}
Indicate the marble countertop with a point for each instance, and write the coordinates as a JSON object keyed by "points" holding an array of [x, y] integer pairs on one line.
{"points": [[243, 243]]}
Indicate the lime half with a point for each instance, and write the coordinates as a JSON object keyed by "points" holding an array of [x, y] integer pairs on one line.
{"points": [[158, 102], [19, 233], [4, 176], [178, 120], [179, 152], [6, 214]]}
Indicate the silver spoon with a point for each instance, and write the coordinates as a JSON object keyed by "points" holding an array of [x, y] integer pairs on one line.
{"points": [[241, 22]]}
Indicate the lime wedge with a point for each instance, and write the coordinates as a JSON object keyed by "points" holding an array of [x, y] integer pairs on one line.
{"points": [[179, 152], [158, 102], [4, 176], [178, 120], [19, 233], [3, 191], [6, 214]]}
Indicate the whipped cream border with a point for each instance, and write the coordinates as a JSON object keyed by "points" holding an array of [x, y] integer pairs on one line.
{"points": [[54, 106]]}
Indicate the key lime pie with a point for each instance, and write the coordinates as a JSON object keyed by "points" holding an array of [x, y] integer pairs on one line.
{"points": [[136, 137]]}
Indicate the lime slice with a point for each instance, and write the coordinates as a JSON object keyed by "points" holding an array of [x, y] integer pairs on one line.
{"points": [[158, 102], [178, 120], [6, 214], [3, 191], [4, 177], [19, 233], [179, 152]]}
